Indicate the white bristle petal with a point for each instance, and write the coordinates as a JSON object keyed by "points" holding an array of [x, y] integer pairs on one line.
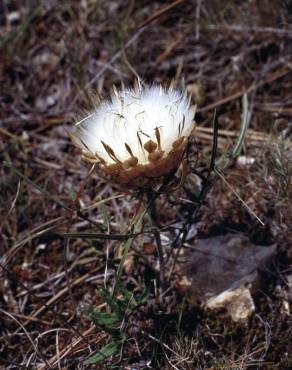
{"points": [[136, 111]]}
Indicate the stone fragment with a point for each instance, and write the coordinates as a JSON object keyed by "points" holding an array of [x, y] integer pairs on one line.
{"points": [[223, 272]]}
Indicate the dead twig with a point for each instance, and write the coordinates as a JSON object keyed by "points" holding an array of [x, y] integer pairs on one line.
{"points": [[159, 13], [273, 77]]}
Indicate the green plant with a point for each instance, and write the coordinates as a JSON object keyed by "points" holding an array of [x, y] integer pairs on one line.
{"points": [[113, 321]]}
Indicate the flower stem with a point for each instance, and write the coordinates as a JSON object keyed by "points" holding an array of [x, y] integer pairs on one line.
{"points": [[160, 259], [154, 220]]}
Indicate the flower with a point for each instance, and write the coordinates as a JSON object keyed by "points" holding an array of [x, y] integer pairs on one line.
{"points": [[138, 136]]}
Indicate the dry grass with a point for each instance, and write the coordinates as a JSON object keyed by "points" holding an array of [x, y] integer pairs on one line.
{"points": [[53, 56]]}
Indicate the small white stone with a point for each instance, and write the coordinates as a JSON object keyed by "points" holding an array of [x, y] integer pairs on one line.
{"points": [[238, 302], [245, 161], [13, 16]]}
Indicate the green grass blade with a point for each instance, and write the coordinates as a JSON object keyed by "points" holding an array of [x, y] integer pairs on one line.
{"points": [[34, 185], [229, 157], [126, 247], [105, 215], [95, 236], [244, 127], [106, 351]]}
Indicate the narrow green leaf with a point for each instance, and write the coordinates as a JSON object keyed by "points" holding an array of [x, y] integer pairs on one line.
{"points": [[105, 319], [105, 214], [224, 162], [116, 305], [127, 294], [106, 351], [33, 184], [244, 126], [93, 236], [143, 298]]}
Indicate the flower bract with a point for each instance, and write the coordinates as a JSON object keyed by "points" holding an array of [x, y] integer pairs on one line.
{"points": [[138, 136]]}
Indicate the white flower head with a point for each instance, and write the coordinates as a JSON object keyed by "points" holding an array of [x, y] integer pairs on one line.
{"points": [[137, 136]]}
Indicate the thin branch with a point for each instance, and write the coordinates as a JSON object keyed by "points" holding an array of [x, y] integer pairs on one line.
{"points": [[239, 197]]}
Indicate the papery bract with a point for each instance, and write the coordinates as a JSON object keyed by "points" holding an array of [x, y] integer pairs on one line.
{"points": [[138, 136]]}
